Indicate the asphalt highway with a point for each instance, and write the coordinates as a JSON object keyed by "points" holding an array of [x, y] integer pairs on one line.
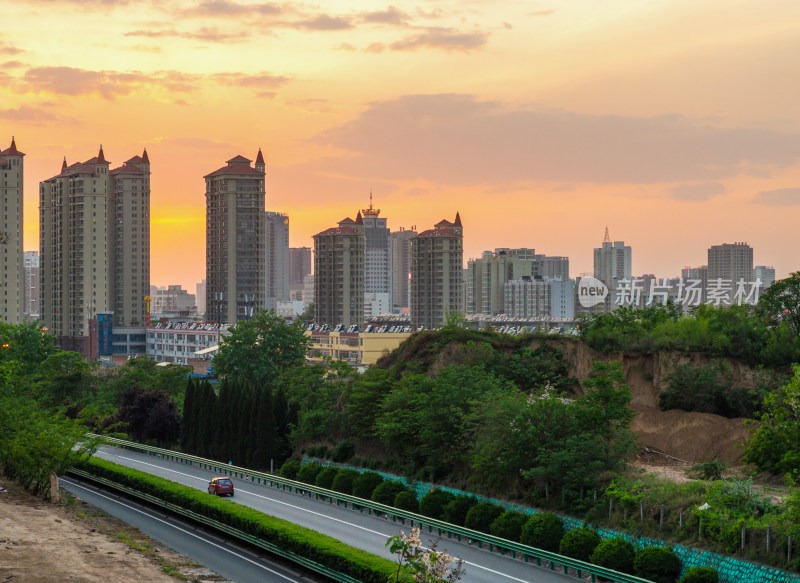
{"points": [[356, 529]]}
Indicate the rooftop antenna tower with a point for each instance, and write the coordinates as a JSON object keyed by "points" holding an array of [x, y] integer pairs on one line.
{"points": [[607, 238]]}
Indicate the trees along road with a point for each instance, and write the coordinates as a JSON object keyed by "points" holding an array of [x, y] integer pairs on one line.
{"points": [[363, 531]]}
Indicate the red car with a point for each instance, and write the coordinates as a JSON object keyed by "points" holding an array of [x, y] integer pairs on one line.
{"points": [[220, 486]]}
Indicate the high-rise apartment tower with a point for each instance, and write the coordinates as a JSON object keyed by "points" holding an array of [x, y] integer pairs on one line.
{"points": [[12, 276], [339, 273], [235, 257], [436, 273]]}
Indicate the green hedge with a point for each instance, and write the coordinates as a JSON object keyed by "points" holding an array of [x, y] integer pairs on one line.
{"points": [[659, 564], [365, 484], [344, 480], [509, 525], [433, 503], [615, 553], [308, 473], [325, 478], [387, 491], [455, 511], [284, 534], [579, 544], [406, 500], [700, 575], [481, 516], [543, 531]]}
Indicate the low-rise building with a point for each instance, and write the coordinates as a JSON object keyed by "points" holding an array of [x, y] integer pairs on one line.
{"points": [[189, 343], [355, 348]]}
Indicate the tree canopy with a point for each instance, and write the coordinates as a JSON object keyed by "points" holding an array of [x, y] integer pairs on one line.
{"points": [[781, 302], [258, 350]]}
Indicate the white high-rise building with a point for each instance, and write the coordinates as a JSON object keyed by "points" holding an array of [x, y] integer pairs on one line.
{"points": [[377, 263], [727, 265], [12, 277], [612, 262], [765, 274], [276, 252], [31, 265], [400, 247]]}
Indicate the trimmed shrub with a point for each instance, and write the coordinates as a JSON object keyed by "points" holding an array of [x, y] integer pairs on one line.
{"points": [[615, 553], [344, 480], [700, 575], [365, 484], [481, 516], [337, 555], [433, 503], [308, 473], [289, 469], [579, 543], [325, 478], [659, 564], [343, 451], [386, 492], [455, 511], [508, 525], [543, 531], [406, 500]]}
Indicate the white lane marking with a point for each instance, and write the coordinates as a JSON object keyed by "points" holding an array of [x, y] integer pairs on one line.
{"points": [[375, 532], [76, 485]]}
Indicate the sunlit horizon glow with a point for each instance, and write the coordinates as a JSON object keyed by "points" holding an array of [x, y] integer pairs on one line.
{"points": [[674, 123]]}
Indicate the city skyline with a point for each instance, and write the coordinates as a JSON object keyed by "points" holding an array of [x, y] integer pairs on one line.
{"points": [[538, 143]]}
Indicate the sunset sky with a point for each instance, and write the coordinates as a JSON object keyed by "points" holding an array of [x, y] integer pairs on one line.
{"points": [[674, 122]]}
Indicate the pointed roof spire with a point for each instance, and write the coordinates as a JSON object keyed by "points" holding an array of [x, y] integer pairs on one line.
{"points": [[607, 238], [100, 158], [359, 219], [13, 149], [145, 159], [260, 157], [458, 220], [64, 164]]}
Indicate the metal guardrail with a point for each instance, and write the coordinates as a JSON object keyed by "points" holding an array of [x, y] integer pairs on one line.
{"points": [[238, 534], [527, 553]]}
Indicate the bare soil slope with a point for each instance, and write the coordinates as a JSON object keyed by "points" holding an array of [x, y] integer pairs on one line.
{"points": [[76, 543]]}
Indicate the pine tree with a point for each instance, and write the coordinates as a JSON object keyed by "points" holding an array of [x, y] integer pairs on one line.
{"points": [[189, 420]]}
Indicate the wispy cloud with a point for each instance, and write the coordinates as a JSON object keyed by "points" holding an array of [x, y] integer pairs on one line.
{"points": [[227, 9], [458, 139], [442, 38], [697, 192], [322, 22], [391, 16], [28, 114], [778, 197], [205, 34], [9, 49], [260, 80], [110, 84]]}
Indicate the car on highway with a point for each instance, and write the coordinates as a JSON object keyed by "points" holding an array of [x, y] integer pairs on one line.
{"points": [[220, 486]]}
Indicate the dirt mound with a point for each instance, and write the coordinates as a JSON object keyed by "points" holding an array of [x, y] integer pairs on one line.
{"points": [[47, 543], [693, 437]]}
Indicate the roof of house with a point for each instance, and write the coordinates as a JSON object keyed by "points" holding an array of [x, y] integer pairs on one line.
{"points": [[12, 149]]}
